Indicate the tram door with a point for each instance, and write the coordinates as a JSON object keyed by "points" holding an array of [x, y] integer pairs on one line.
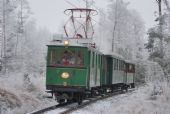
{"points": [[109, 69]]}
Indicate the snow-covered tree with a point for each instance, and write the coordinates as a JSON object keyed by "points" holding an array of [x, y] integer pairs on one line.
{"points": [[124, 30], [35, 47], [23, 13], [8, 36], [159, 39]]}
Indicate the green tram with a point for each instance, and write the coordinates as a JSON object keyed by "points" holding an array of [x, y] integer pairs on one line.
{"points": [[75, 72]]}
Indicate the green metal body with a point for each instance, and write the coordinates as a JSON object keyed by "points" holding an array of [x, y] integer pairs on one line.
{"points": [[78, 74], [78, 77]]}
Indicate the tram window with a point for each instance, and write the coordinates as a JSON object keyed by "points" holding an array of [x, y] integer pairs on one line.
{"points": [[131, 68], [123, 66], [114, 64], [93, 56], [80, 58], [66, 57], [52, 57], [127, 67], [99, 61], [117, 64], [96, 59], [120, 65]]}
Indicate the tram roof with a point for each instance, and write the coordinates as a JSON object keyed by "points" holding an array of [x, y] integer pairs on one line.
{"points": [[114, 55]]}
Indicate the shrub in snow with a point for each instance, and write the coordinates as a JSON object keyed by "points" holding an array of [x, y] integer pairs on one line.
{"points": [[9, 99], [157, 90]]}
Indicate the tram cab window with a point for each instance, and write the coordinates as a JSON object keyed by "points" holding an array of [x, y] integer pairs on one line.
{"points": [[80, 58], [66, 58]]}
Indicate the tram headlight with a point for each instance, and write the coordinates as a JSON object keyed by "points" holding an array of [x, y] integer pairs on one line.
{"points": [[65, 75], [66, 42]]}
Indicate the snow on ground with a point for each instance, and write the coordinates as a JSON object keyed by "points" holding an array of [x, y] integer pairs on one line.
{"points": [[153, 98], [141, 101], [22, 94]]}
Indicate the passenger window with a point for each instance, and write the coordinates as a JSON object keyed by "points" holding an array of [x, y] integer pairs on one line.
{"points": [[119, 65], [96, 59], [98, 64], [93, 59], [115, 64], [124, 66]]}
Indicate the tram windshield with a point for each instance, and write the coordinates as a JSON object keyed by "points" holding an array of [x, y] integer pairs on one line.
{"points": [[66, 57]]}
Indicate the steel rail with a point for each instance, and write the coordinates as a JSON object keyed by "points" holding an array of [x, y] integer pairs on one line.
{"points": [[41, 111]]}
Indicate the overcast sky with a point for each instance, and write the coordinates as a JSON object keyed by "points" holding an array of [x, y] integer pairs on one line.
{"points": [[49, 13]]}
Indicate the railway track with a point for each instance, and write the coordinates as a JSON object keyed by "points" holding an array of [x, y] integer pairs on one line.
{"points": [[91, 101], [41, 111], [76, 107]]}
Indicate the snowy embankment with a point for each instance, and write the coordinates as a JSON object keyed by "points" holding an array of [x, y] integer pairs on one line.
{"points": [[22, 94], [141, 101]]}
